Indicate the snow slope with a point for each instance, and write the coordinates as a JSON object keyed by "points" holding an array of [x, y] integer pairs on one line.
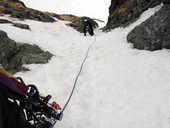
{"points": [[119, 87]]}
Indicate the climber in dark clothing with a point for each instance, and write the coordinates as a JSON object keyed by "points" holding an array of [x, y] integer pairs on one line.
{"points": [[88, 27]]}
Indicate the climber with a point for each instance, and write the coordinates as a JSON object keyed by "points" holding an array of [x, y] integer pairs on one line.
{"points": [[88, 26]]}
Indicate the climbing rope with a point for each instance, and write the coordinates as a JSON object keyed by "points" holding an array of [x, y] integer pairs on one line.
{"points": [[76, 79]]}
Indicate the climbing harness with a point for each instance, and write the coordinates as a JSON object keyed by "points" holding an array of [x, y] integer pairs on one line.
{"points": [[76, 79]]}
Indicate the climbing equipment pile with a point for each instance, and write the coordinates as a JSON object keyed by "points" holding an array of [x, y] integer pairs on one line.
{"points": [[33, 110]]}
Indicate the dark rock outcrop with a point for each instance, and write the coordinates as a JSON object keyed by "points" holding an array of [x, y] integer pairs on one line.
{"points": [[22, 26], [165, 1], [13, 55], [154, 33], [124, 12], [4, 21], [17, 9], [19, 25], [7, 49]]}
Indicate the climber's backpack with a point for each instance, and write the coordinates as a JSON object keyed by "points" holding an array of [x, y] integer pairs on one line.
{"points": [[11, 91], [21, 105]]}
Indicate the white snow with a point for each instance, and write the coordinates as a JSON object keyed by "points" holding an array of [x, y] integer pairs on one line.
{"points": [[119, 87]]}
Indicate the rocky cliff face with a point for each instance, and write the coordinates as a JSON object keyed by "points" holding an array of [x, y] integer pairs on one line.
{"points": [[153, 34], [124, 12]]}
